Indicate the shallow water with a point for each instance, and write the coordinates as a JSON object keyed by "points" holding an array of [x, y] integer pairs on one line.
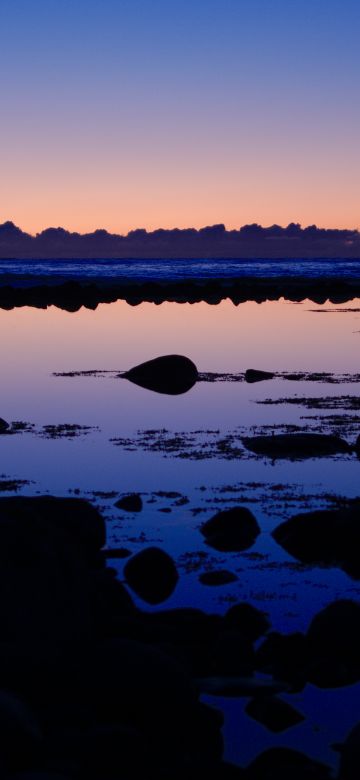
{"points": [[275, 336]]}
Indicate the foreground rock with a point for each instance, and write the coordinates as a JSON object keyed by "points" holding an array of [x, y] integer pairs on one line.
{"points": [[296, 445], [169, 374], [152, 574], [333, 640], [253, 375], [350, 756], [231, 530], [329, 536], [273, 713]]}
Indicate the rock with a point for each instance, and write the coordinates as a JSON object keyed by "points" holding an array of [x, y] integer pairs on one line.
{"points": [[152, 574], [131, 503], [285, 656], [169, 374], [328, 536], [357, 446], [232, 655], [282, 763], [20, 733], [49, 549], [253, 375], [252, 622], [75, 516], [219, 577], [277, 715], [296, 445], [116, 552], [4, 426], [333, 640], [350, 756], [231, 530]]}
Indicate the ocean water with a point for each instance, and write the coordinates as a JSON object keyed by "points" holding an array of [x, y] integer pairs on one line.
{"points": [[171, 269], [121, 446]]}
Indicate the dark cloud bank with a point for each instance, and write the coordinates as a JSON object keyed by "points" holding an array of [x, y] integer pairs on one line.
{"points": [[250, 241]]}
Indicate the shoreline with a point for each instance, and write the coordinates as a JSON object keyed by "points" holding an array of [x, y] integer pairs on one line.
{"points": [[41, 292]]}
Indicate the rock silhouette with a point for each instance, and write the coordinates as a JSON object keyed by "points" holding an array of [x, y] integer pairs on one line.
{"points": [[152, 574], [296, 445], [131, 503], [231, 530], [252, 375], [169, 374], [328, 536]]}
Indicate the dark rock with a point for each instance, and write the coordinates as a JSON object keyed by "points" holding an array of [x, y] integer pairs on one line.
{"points": [[75, 516], [350, 756], [357, 446], [20, 733], [333, 640], [48, 550], [253, 375], [296, 445], [329, 536], [277, 715], [219, 577], [131, 503], [4, 426], [232, 655], [252, 622], [169, 374], [282, 763], [231, 530], [152, 574], [285, 656]]}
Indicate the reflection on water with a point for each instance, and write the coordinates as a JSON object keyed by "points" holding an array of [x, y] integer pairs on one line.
{"points": [[180, 491]]}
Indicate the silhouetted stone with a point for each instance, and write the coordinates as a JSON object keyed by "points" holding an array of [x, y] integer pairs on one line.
{"points": [[20, 731], [231, 530], [116, 552], [350, 756], [328, 536], [152, 574], [169, 374], [285, 656], [333, 640], [357, 446], [219, 577], [253, 375], [282, 763], [296, 445], [252, 622], [277, 715], [232, 654], [4, 426], [130, 503]]}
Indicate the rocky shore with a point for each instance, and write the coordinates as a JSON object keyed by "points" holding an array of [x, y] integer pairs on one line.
{"points": [[71, 295], [92, 686]]}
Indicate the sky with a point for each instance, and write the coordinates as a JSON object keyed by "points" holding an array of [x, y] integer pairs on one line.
{"points": [[159, 113]]}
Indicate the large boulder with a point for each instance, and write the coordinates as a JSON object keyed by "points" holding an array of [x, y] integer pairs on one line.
{"points": [[48, 550], [333, 641], [152, 574], [329, 536], [231, 530], [169, 374], [297, 445]]}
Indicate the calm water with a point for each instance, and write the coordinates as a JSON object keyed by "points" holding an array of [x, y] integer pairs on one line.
{"points": [[277, 336]]}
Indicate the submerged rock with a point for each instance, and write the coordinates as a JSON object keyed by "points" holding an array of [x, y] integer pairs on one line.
{"points": [[152, 574], [219, 577], [253, 375], [325, 536], [4, 426], [130, 503], [231, 530], [296, 445], [169, 374]]}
